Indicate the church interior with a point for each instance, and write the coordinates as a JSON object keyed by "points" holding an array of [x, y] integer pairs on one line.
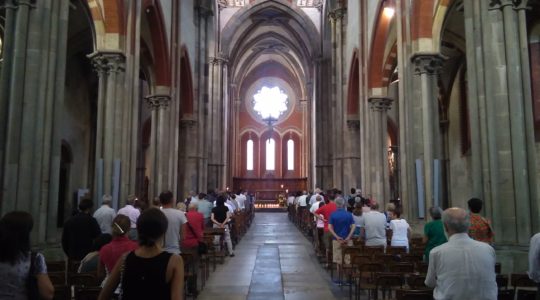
{"points": [[422, 103]]}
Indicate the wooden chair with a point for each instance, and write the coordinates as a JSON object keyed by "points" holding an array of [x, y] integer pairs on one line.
{"points": [[387, 282], [416, 282], [57, 278], [372, 250], [502, 281], [498, 268], [365, 277], [401, 268], [421, 267], [414, 295], [411, 258], [394, 250], [526, 294], [87, 293], [523, 286], [82, 280], [62, 292], [56, 266], [385, 259], [505, 295]]}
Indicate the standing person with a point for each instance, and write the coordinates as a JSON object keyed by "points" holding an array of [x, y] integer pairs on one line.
{"points": [[358, 218], [120, 244], [446, 271], [241, 199], [148, 272], [194, 235], [326, 211], [221, 215], [133, 214], [341, 226], [176, 220], [480, 229], [374, 227], [80, 231], [105, 214], [401, 231], [534, 262], [319, 222], [351, 200], [433, 232], [313, 197], [205, 207], [16, 259]]}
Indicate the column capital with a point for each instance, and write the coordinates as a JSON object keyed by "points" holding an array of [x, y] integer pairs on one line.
{"points": [[157, 101], [107, 61], [429, 63], [516, 4], [380, 104], [221, 58], [337, 14]]}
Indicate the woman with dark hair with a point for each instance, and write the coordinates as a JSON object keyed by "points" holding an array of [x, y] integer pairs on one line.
{"points": [[18, 264], [148, 272], [120, 244], [221, 215], [433, 232], [358, 218]]}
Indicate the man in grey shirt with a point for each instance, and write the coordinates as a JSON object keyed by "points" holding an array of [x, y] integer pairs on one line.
{"points": [[374, 227], [105, 215], [462, 268], [176, 228]]}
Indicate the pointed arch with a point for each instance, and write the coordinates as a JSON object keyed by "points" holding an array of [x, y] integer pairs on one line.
{"points": [[154, 14], [378, 53]]}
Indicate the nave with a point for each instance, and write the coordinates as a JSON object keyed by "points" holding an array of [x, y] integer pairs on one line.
{"points": [[273, 261]]}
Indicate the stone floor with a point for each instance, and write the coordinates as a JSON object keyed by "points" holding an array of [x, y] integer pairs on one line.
{"points": [[273, 261]]}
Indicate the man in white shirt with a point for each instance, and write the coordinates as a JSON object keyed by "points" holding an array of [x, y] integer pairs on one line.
{"points": [[176, 219], [241, 199], [133, 214], [105, 215], [534, 261], [302, 200], [313, 197], [374, 227], [462, 268]]}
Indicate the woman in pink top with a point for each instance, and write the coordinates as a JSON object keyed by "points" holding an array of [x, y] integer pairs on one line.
{"points": [[194, 235], [120, 244]]}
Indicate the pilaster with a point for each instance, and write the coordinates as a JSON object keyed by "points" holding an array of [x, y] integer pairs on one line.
{"points": [[158, 104]]}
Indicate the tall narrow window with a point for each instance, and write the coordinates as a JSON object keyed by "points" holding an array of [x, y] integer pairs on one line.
{"points": [[249, 164], [290, 155], [270, 155]]}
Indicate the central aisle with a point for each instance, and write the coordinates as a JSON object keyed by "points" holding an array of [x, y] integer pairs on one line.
{"points": [[273, 261]]}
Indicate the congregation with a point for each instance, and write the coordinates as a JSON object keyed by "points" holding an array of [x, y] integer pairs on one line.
{"points": [[373, 250], [159, 252]]}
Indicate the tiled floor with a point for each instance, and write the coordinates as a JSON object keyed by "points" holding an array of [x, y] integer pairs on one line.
{"points": [[273, 261]]}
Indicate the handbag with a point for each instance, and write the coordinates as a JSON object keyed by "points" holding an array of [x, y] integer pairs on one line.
{"points": [[31, 282], [202, 248]]}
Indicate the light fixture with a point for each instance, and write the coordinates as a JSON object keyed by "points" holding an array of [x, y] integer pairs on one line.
{"points": [[389, 12], [389, 9]]}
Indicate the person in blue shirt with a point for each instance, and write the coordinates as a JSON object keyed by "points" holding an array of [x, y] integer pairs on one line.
{"points": [[341, 225]]}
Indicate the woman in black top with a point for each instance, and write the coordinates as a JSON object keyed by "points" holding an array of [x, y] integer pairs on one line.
{"points": [[220, 218], [148, 272]]}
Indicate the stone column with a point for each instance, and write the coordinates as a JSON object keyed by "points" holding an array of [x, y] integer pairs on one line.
{"points": [[427, 66], [338, 121], [189, 156], [158, 104], [110, 66], [380, 187]]}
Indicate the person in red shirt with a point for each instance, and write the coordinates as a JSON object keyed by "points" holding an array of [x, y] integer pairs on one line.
{"points": [[120, 244], [194, 235], [325, 212]]}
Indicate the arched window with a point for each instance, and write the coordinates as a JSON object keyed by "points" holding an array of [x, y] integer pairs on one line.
{"points": [[249, 164], [290, 155], [270, 155]]}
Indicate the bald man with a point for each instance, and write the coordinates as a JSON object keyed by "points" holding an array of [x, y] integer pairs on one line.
{"points": [[462, 268]]}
